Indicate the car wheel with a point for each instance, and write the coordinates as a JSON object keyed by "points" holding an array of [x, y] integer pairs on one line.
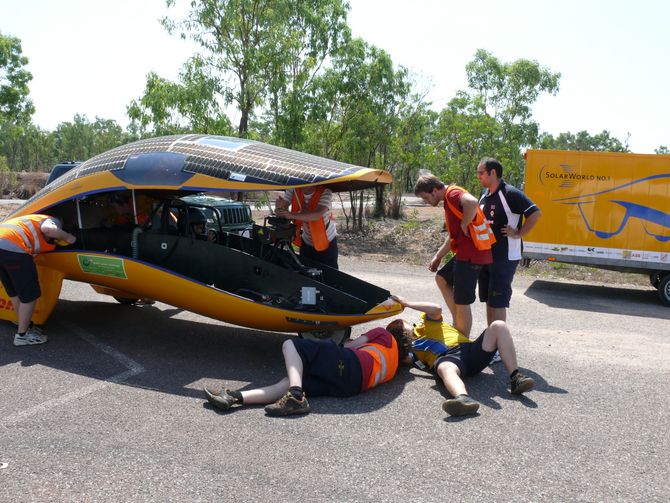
{"points": [[338, 335]]}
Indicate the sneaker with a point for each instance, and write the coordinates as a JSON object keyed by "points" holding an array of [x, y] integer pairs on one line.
{"points": [[31, 328], [288, 406], [29, 338], [496, 358], [521, 384], [462, 405], [220, 398]]}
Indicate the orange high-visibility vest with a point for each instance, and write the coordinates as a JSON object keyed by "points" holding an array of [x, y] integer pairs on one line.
{"points": [[317, 228], [481, 233], [25, 232], [384, 362]]}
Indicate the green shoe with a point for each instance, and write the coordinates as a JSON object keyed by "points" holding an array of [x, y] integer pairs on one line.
{"points": [[462, 405], [287, 406]]}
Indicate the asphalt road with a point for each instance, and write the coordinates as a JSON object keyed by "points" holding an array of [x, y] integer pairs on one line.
{"points": [[111, 409]]}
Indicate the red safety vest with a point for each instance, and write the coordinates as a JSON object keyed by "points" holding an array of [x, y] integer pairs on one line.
{"points": [[25, 232], [481, 233], [384, 362], [317, 228]]}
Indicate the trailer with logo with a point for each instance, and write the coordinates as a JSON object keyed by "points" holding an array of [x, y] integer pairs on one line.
{"points": [[609, 210]]}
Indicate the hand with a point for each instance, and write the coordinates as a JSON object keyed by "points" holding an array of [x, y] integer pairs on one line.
{"points": [[399, 299], [282, 213], [464, 228], [434, 263], [510, 232], [70, 238]]}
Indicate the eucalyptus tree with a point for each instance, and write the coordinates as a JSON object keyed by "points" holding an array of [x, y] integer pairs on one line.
{"points": [[264, 52], [15, 106], [602, 142]]}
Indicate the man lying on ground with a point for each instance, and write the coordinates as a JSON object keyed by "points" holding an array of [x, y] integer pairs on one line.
{"points": [[440, 348]]}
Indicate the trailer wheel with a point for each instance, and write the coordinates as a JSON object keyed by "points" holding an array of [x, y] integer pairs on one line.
{"points": [[338, 335], [664, 290], [655, 278]]}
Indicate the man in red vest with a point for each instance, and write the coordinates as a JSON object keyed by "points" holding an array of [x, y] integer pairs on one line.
{"points": [[312, 211], [322, 368], [457, 279], [21, 239]]}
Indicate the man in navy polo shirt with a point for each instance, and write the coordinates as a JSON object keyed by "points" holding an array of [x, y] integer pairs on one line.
{"points": [[511, 216]]}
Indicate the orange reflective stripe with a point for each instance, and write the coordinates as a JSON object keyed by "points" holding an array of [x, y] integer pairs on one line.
{"points": [[384, 362], [317, 228], [481, 233], [25, 233]]}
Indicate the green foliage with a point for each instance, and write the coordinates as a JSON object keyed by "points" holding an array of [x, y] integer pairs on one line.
{"points": [[602, 142], [493, 118], [662, 150], [191, 105], [14, 78]]}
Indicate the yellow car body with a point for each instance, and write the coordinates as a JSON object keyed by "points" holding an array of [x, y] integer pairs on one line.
{"points": [[254, 282]]}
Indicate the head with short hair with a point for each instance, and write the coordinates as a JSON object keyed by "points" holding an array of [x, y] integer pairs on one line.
{"points": [[489, 164], [403, 333], [426, 184]]}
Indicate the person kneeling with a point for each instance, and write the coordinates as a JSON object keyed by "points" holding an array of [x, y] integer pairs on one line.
{"points": [[322, 368], [440, 348]]}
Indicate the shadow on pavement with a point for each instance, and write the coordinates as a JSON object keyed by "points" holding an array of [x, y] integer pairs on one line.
{"points": [[602, 299], [171, 353]]}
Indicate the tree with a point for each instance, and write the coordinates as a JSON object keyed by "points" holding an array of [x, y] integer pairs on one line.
{"points": [[493, 118], [264, 47], [187, 106], [14, 78], [354, 112], [662, 150], [601, 142]]}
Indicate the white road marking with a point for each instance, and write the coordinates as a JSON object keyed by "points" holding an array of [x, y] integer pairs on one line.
{"points": [[133, 367]]}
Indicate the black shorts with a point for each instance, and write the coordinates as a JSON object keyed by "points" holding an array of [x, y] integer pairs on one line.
{"points": [[19, 276], [495, 282], [470, 358], [327, 256], [462, 276], [328, 369]]}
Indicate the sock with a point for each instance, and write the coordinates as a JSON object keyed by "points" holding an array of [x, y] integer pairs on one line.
{"points": [[513, 374], [296, 392], [237, 395], [21, 334]]}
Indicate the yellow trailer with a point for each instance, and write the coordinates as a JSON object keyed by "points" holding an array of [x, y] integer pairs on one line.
{"points": [[603, 209]]}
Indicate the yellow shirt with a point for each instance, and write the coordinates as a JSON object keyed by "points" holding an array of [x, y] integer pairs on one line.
{"points": [[434, 339]]}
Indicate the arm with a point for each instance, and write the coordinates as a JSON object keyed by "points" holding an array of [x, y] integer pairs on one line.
{"points": [[439, 254], [529, 223], [357, 342], [432, 310], [52, 231], [469, 205], [305, 215]]}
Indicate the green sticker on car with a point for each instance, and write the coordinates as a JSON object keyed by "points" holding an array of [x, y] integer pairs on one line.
{"points": [[102, 266]]}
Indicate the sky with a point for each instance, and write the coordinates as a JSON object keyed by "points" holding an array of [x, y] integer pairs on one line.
{"points": [[91, 57]]}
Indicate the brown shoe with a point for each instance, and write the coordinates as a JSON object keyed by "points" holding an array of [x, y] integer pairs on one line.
{"points": [[288, 406], [220, 398], [462, 405]]}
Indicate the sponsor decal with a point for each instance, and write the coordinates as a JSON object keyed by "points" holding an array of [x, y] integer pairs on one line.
{"points": [[103, 266]]}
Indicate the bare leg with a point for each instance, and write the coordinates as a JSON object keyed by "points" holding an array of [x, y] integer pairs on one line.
{"points": [[448, 295], [451, 377], [498, 336], [463, 319], [293, 363], [495, 313], [268, 394], [24, 312]]}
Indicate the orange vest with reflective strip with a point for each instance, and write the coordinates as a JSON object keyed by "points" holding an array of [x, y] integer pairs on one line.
{"points": [[317, 228], [481, 233], [384, 362], [25, 232]]}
